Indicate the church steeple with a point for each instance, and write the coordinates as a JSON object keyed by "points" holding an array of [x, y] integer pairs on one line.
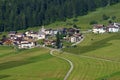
{"points": [[43, 29]]}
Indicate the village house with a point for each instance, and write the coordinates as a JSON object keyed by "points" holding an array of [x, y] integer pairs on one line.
{"points": [[48, 31], [49, 42], [55, 32], [116, 25], [24, 44], [19, 35], [41, 35], [12, 35], [7, 41], [112, 28], [17, 41], [76, 38], [71, 31], [32, 34], [98, 28], [35, 35]]}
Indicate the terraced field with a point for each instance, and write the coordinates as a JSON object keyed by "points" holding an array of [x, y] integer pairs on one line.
{"points": [[34, 64]]}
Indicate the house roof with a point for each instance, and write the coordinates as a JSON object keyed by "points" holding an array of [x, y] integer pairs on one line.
{"points": [[41, 33], [98, 26], [12, 32], [111, 26]]}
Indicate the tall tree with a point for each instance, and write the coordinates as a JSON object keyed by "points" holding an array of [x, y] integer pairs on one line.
{"points": [[58, 43]]}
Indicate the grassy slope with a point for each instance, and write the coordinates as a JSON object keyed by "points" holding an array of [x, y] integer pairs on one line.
{"points": [[103, 46], [91, 69], [5, 50], [34, 64]]}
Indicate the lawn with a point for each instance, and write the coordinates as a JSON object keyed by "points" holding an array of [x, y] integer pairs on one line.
{"points": [[34, 64]]}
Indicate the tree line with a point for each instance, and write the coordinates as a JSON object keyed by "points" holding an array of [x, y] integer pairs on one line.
{"points": [[21, 14]]}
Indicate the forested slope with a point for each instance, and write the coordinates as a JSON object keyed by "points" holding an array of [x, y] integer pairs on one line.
{"points": [[21, 14]]}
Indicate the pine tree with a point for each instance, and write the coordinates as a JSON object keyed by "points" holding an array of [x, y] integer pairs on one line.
{"points": [[58, 40]]}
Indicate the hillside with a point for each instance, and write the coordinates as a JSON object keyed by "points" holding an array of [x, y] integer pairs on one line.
{"points": [[23, 14], [84, 21], [34, 64]]}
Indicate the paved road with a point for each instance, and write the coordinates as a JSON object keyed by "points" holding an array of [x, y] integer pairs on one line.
{"points": [[70, 62]]}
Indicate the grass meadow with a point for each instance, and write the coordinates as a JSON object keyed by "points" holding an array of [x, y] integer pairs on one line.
{"points": [[99, 45], [96, 58], [92, 69], [34, 64]]}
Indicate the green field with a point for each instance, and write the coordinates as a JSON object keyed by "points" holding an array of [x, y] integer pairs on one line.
{"points": [[5, 50], [34, 64], [101, 46], [96, 58], [92, 69]]}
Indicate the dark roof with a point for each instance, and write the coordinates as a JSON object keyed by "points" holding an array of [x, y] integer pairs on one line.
{"points": [[98, 26], [111, 26], [12, 32]]}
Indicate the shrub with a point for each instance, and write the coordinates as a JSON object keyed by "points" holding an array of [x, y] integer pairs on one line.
{"points": [[113, 17], [105, 17], [110, 21], [93, 22], [75, 20]]}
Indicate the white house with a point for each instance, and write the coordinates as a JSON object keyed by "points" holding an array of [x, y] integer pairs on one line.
{"points": [[75, 38], [112, 28], [36, 35], [116, 24], [55, 32], [48, 32], [19, 35], [12, 33], [24, 44], [99, 29], [41, 35]]}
